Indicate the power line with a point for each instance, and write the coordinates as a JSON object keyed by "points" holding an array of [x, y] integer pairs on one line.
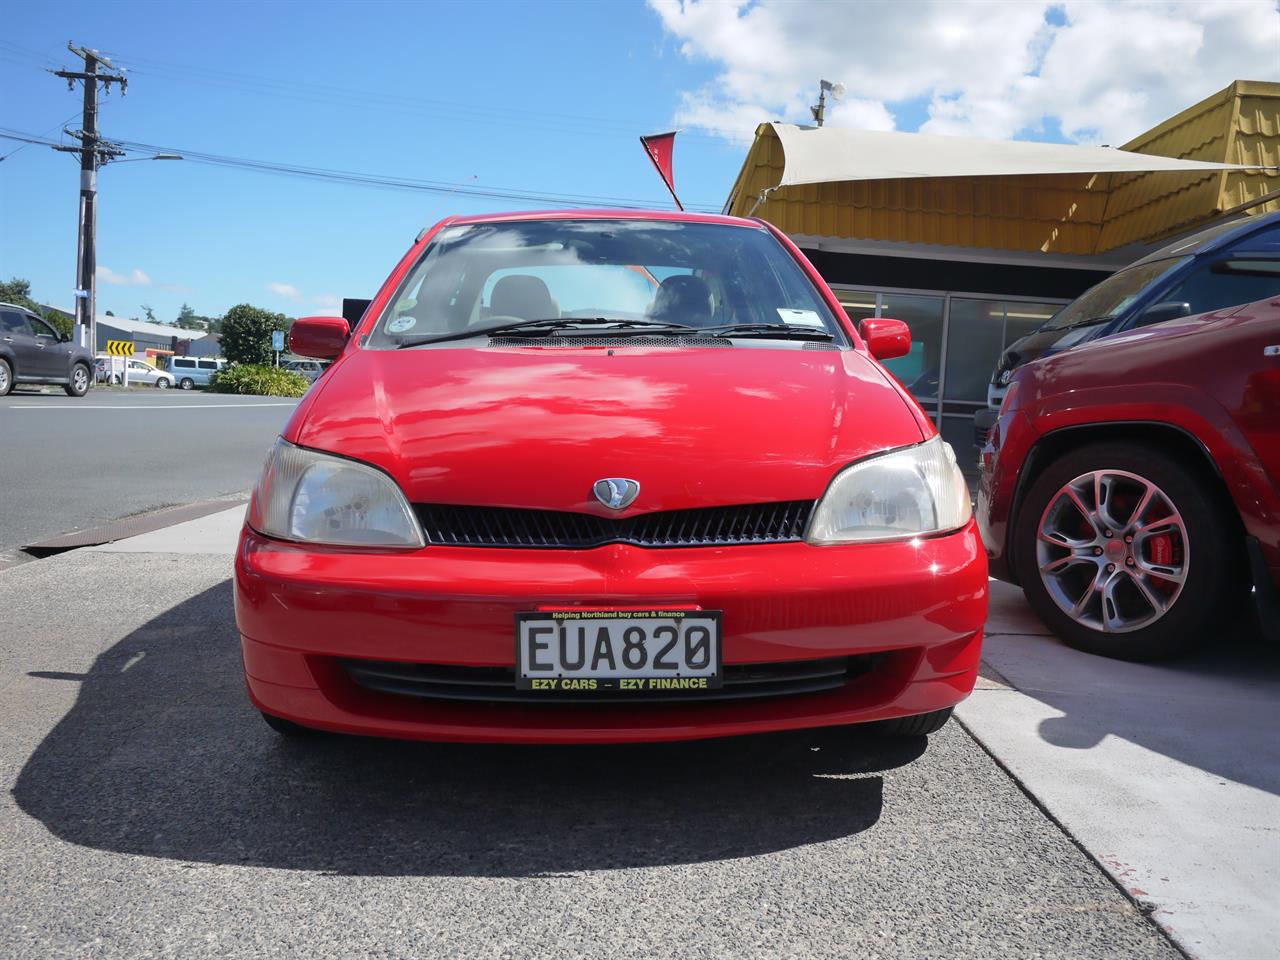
{"points": [[330, 94], [359, 178]]}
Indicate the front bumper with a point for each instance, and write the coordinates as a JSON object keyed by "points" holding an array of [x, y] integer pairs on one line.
{"points": [[302, 611]]}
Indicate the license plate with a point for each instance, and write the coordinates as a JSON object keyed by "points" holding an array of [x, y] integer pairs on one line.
{"points": [[619, 651]]}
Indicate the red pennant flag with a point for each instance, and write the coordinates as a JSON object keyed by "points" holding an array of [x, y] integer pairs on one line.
{"points": [[659, 147]]}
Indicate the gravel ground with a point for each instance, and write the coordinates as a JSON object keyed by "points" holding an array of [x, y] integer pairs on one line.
{"points": [[152, 813]]}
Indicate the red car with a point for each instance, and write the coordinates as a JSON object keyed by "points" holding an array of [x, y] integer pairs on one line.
{"points": [[603, 476], [1132, 485]]}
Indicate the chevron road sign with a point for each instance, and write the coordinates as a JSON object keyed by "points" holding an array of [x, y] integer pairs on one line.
{"points": [[120, 348]]}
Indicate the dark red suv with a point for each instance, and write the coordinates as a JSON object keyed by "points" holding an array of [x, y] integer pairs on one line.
{"points": [[1131, 485]]}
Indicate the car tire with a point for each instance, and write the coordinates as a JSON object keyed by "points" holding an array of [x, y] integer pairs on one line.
{"points": [[80, 380], [1121, 605], [6, 378], [163, 383], [921, 725], [288, 728], [186, 383]]}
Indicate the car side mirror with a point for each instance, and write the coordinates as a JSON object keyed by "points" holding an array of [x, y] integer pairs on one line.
{"points": [[320, 337], [64, 338], [886, 338], [1160, 312]]}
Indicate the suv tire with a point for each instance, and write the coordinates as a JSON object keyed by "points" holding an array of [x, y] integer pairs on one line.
{"points": [[186, 383], [6, 377], [1129, 611], [81, 377]]}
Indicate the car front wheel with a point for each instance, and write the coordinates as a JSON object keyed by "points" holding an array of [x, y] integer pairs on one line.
{"points": [[162, 384], [6, 378], [186, 383], [1124, 551], [79, 384]]}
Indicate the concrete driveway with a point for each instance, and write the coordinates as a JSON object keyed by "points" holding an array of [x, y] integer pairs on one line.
{"points": [[1167, 774]]}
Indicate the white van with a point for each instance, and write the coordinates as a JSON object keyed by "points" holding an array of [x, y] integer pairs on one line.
{"points": [[191, 372]]}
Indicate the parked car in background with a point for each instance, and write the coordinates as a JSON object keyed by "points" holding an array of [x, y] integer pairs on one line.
{"points": [[192, 372], [1132, 485], [1209, 270], [311, 369], [141, 374], [32, 351], [546, 497]]}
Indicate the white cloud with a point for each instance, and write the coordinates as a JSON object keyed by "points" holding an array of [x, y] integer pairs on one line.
{"points": [[135, 278], [1104, 71], [286, 290], [329, 302]]}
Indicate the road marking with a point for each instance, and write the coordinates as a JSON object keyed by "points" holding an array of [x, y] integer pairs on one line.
{"points": [[141, 406]]}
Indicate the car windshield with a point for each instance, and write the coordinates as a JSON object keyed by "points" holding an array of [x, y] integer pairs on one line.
{"points": [[1113, 295], [605, 276]]}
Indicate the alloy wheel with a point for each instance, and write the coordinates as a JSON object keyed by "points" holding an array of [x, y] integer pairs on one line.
{"points": [[4, 379], [80, 379], [1112, 551]]}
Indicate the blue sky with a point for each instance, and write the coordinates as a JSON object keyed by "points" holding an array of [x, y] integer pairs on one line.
{"points": [[543, 98], [512, 95]]}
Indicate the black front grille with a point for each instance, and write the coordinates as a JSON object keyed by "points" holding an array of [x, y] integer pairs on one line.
{"points": [[703, 527], [430, 681]]}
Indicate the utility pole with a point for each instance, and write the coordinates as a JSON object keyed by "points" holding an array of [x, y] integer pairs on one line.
{"points": [[93, 153]]}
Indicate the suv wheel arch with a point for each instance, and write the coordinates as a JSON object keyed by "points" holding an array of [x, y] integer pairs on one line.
{"points": [[1059, 442]]}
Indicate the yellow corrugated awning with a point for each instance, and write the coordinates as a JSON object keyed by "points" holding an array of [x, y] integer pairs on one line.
{"points": [[1218, 155]]}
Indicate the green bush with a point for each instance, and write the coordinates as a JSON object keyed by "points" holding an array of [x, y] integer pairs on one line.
{"points": [[246, 333], [259, 380]]}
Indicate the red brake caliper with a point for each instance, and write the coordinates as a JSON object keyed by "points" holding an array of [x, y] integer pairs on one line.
{"points": [[1162, 553]]}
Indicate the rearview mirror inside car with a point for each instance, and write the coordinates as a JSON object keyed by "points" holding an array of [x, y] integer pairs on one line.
{"points": [[886, 338], [320, 337]]}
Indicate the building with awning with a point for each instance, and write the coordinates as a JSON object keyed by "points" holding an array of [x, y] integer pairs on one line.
{"points": [[975, 242]]}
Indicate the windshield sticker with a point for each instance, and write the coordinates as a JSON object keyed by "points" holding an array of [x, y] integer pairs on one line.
{"points": [[401, 324], [802, 318]]}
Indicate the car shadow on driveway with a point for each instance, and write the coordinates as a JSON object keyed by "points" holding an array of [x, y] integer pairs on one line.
{"points": [[162, 755], [1216, 710]]}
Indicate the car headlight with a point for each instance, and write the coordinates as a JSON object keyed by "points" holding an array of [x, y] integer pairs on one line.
{"points": [[894, 496], [316, 498]]}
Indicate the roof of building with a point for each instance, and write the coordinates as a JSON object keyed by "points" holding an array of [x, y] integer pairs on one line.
{"points": [[957, 192], [141, 327]]}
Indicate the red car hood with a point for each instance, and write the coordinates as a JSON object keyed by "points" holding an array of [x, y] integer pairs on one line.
{"points": [[537, 427]]}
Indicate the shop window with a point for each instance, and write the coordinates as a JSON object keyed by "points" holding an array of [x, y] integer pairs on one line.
{"points": [[979, 332], [975, 339], [920, 369]]}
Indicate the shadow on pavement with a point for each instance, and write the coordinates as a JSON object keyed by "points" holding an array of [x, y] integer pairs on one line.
{"points": [[1216, 710], [163, 756]]}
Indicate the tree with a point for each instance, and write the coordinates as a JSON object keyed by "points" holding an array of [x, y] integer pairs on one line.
{"points": [[18, 292], [246, 333], [110, 314], [151, 314]]}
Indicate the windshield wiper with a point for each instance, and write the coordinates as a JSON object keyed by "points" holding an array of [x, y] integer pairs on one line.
{"points": [[783, 331], [1086, 322], [557, 325]]}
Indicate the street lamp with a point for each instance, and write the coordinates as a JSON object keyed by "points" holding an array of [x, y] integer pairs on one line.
{"points": [[826, 86], [158, 156]]}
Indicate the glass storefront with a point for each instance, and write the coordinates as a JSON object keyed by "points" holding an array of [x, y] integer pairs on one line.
{"points": [[956, 341]]}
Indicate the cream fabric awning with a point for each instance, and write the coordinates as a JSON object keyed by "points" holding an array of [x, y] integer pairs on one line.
{"points": [[832, 154]]}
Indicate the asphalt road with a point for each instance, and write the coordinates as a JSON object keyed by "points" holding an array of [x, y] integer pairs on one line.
{"points": [[147, 811], [71, 464]]}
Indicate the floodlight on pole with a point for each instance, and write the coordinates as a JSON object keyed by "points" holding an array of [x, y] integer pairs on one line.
{"points": [[819, 109]]}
